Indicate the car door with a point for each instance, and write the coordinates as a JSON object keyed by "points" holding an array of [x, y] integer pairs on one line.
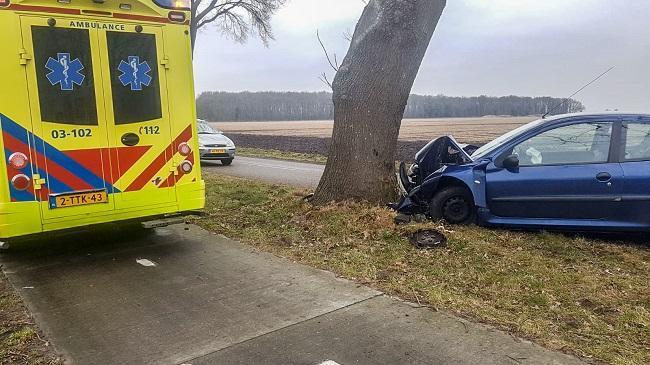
{"points": [[565, 172], [635, 162]]}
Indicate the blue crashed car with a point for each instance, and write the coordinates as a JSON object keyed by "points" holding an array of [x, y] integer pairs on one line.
{"points": [[567, 172]]}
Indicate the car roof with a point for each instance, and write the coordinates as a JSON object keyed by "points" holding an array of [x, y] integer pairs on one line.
{"points": [[584, 115]]}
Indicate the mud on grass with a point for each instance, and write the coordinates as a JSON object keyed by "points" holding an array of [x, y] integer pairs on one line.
{"points": [[20, 339], [585, 296]]}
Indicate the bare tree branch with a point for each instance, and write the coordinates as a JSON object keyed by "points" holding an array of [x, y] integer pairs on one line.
{"points": [[237, 19], [323, 78], [347, 35], [334, 64]]}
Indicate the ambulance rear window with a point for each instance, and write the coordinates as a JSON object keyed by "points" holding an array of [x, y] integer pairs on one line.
{"points": [[64, 74], [134, 77]]}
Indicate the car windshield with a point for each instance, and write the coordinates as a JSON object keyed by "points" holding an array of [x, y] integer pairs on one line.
{"points": [[204, 128], [490, 146]]}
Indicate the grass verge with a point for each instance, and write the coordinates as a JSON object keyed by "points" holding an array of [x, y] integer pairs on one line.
{"points": [[20, 340], [585, 296], [282, 155]]}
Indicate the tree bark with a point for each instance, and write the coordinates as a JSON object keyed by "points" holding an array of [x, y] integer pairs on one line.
{"points": [[194, 26], [370, 92], [193, 31]]}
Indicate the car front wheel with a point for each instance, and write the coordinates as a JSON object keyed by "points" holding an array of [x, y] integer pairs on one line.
{"points": [[226, 162], [453, 204]]}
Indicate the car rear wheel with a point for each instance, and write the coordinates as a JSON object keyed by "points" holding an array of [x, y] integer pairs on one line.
{"points": [[453, 204], [226, 162]]}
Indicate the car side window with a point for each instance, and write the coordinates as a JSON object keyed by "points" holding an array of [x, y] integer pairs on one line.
{"points": [[637, 141], [580, 143]]}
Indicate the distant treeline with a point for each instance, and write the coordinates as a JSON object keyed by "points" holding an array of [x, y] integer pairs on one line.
{"points": [[250, 106]]}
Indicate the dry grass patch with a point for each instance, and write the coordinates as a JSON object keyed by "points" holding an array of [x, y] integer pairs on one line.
{"points": [[20, 341], [582, 295]]}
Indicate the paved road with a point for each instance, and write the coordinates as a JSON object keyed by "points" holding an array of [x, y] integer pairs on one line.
{"points": [[275, 171], [181, 295]]}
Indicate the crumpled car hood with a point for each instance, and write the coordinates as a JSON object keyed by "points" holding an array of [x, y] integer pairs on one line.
{"points": [[441, 151]]}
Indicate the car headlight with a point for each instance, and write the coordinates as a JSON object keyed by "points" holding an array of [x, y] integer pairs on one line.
{"points": [[413, 170], [230, 143]]}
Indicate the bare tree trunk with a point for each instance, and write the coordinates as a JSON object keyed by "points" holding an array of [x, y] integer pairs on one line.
{"points": [[193, 31], [370, 92], [194, 23]]}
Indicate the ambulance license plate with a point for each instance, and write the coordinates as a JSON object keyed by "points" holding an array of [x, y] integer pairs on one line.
{"points": [[220, 150], [77, 199]]}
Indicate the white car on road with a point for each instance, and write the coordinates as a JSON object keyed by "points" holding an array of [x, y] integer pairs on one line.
{"points": [[213, 145]]}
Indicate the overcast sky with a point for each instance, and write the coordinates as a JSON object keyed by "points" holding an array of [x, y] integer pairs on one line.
{"points": [[491, 47]]}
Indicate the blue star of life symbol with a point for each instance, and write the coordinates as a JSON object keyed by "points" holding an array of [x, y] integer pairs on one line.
{"points": [[65, 72], [135, 73]]}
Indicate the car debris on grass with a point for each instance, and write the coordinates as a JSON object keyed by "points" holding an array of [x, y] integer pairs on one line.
{"points": [[587, 296]]}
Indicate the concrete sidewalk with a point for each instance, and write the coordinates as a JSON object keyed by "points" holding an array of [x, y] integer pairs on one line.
{"points": [[181, 295]]}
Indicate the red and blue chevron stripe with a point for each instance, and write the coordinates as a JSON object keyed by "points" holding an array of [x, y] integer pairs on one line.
{"points": [[160, 161], [62, 172]]}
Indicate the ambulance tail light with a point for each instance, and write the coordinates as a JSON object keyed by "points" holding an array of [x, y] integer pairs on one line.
{"points": [[21, 182], [4, 3], [184, 149], [186, 167], [18, 160]]}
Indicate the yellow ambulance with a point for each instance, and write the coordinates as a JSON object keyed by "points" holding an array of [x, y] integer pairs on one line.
{"points": [[97, 113]]}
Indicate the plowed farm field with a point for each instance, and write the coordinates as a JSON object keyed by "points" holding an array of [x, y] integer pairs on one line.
{"points": [[468, 130]]}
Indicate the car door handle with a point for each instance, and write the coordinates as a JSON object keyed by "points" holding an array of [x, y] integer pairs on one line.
{"points": [[603, 177]]}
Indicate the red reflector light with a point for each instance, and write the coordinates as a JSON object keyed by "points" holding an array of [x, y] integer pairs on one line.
{"points": [[18, 160], [186, 167], [184, 149], [175, 16], [21, 182]]}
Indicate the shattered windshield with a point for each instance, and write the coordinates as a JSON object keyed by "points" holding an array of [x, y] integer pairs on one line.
{"points": [[204, 128], [490, 146]]}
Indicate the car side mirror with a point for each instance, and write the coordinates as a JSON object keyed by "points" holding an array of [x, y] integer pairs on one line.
{"points": [[511, 162]]}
